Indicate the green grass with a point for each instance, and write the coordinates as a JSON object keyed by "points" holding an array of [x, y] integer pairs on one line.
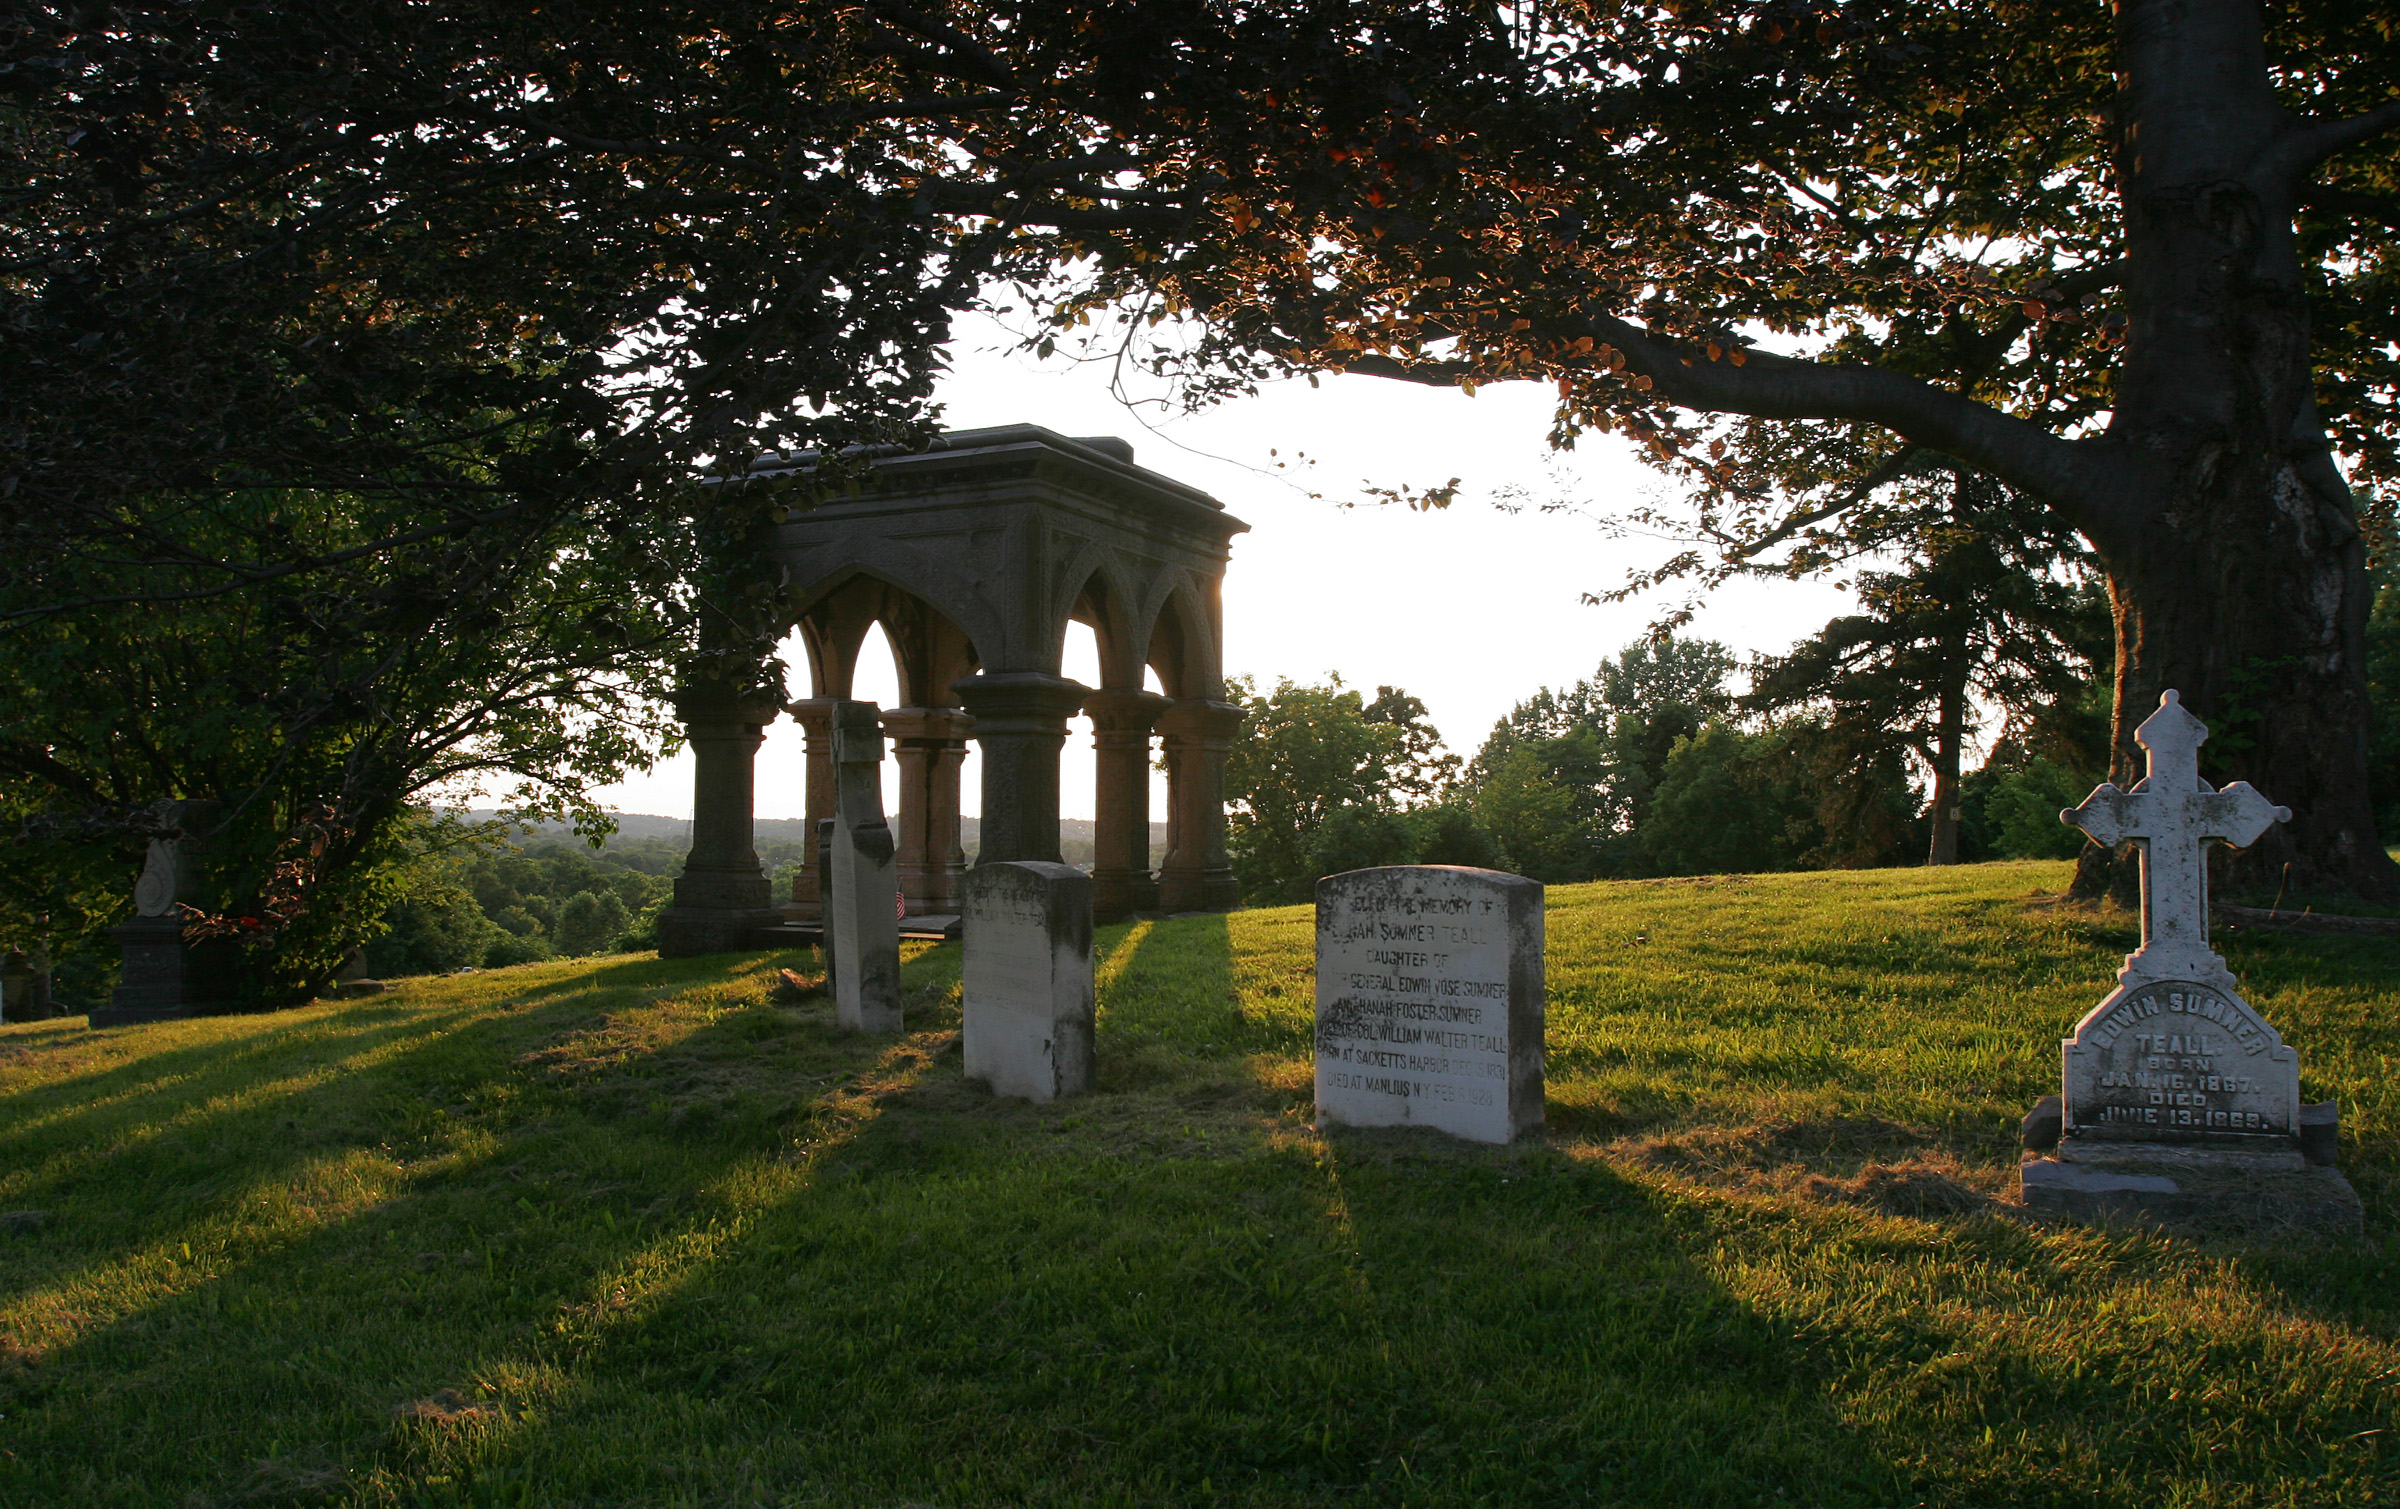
{"points": [[632, 1232]]}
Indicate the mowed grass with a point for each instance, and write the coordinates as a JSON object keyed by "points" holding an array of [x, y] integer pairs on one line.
{"points": [[632, 1232]]}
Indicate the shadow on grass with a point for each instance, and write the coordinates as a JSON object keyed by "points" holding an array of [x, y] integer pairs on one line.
{"points": [[741, 1256], [560, 1171]]}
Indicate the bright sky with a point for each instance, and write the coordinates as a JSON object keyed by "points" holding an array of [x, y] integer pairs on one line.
{"points": [[1470, 609]]}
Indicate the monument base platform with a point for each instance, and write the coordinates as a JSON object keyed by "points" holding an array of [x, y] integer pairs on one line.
{"points": [[2201, 1190], [685, 931], [930, 928]]}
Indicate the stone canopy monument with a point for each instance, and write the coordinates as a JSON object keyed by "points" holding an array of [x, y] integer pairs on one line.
{"points": [[974, 556], [2178, 1101]]}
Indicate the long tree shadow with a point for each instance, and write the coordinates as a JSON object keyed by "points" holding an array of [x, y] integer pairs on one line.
{"points": [[245, 1125], [581, 1144]]}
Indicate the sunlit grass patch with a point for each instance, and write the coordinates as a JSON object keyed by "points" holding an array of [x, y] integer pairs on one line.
{"points": [[632, 1231]]}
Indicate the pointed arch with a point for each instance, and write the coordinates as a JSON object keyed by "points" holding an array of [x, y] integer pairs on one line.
{"points": [[930, 649], [1183, 646], [914, 573]]}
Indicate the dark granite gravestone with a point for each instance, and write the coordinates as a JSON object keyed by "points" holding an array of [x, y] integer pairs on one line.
{"points": [[164, 975]]}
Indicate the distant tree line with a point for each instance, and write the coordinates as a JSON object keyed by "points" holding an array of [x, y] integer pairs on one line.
{"points": [[493, 900], [1653, 765]]}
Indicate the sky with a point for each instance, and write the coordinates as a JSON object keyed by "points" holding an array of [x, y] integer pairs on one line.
{"points": [[1471, 609]]}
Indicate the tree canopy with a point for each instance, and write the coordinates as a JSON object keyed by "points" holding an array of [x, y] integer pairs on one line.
{"points": [[2133, 263]]}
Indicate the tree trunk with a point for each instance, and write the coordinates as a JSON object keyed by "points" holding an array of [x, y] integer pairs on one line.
{"points": [[1949, 736], [2239, 577]]}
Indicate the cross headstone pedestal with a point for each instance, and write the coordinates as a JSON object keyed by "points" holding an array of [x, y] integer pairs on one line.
{"points": [[2178, 1102]]}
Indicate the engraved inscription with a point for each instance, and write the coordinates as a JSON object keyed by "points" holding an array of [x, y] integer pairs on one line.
{"points": [[1413, 1004], [2179, 1056]]}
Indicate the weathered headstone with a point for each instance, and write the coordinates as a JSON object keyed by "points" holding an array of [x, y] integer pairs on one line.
{"points": [[825, 881], [862, 934], [1429, 1000], [1027, 977], [2178, 1102], [163, 975], [16, 986]]}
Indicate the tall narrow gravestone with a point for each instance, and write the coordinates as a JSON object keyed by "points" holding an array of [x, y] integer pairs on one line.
{"points": [[1429, 1000], [862, 936], [2178, 1102], [1027, 978]]}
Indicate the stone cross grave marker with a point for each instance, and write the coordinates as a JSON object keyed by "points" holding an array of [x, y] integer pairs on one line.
{"points": [[2178, 1101], [1429, 1000], [2134, 1067], [1027, 997], [862, 935]]}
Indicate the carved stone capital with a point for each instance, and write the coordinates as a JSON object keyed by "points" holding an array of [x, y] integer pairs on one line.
{"points": [[927, 725], [1199, 723], [1122, 713], [1020, 702]]}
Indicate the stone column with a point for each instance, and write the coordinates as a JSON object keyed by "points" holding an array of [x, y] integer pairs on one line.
{"points": [[930, 744], [815, 717], [1198, 733], [1122, 883], [722, 896], [1021, 722]]}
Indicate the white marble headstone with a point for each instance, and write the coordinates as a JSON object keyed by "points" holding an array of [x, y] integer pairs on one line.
{"points": [[1026, 994], [2174, 1053], [1429, 1000]]}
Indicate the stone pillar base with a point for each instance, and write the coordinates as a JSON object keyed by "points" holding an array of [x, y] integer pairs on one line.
{"points": [[685, 931], [715, 911], [1204, 891], [1119, 894]]}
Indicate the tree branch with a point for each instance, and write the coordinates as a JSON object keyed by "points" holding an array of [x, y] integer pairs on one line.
{"points": [[980, 63], [2090, 484], [2314, 140], [1885, 471], [2101, 490], [2352, 204]]}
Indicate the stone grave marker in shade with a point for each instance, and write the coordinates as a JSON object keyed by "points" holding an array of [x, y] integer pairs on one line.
{"points": [[1026, 981], [1429, 1000], [2179, 1103], [164, 974], [862, 936]]}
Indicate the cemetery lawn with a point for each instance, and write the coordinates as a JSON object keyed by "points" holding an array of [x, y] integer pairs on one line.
{"points": [[620, 1231]]}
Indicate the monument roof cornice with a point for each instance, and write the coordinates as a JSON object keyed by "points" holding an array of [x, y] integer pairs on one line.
{"points": [[1096, 469]]}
